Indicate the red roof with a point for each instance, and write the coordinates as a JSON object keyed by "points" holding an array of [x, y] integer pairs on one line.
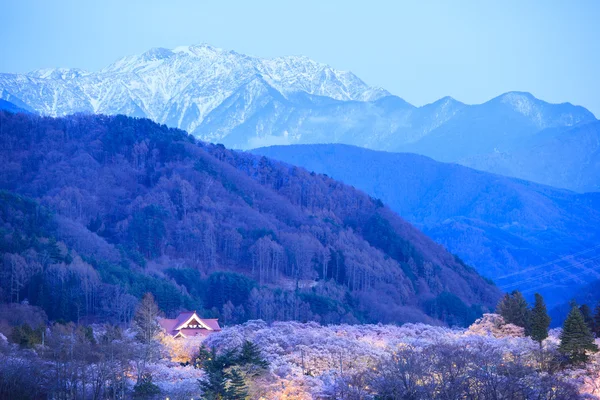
{"points": [[174, 326], [168, 324]]}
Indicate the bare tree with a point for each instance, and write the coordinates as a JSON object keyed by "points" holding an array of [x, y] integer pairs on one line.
{"points": [[145, 319]]}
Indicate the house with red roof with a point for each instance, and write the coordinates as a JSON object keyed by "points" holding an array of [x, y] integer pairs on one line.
{"points": [[189, 324]]}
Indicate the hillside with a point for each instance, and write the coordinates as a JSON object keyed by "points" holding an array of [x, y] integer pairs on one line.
{"points": [[135, 206], [513, 231], [566, 157]]}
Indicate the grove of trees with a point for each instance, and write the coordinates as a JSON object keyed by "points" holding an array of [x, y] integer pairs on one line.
{"points": [[576, 338], [95, 211]]}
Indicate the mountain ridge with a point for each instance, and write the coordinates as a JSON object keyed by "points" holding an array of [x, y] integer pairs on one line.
{"points": [[204, 64], [247, 102], [502, 226], [567, 157]]}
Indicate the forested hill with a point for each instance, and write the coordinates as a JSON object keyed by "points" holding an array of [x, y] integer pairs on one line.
{"points": [[97, 210], [523, 235]]}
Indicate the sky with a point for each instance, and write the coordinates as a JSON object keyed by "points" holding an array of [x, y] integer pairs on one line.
{"points": [[420, 51]]}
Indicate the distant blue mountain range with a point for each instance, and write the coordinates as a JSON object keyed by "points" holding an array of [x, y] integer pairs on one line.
{"points": [[521, 234]]}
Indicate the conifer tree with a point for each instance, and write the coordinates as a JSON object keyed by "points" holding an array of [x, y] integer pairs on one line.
{"points": [[576, 338], [250, 354], [203, 356], [214, 386], [540, 321], [515, 310], [145, 388], [53, 250], [503, 307], [237, 389], [219, 383], [597, 319], [586, 311]]}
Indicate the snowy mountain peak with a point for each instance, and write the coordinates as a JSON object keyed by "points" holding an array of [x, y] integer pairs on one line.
{"points": [[544, 114], [232, 98], [57, 73], [179, 86], [156, 53], [199, 50], [523, 102], [515, 93]]}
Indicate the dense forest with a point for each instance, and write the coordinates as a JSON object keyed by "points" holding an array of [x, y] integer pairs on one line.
{"points": [[95, 211]]}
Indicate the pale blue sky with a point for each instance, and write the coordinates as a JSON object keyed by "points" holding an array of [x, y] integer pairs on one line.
{"points": [[421, 51]]}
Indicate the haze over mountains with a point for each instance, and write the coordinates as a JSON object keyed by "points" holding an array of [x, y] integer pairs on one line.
{"points": [[513, 231], [566, 157], [246, 102]]}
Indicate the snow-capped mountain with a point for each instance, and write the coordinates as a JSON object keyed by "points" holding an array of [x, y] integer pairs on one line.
{"points": [[178, 87], [248, 102]]}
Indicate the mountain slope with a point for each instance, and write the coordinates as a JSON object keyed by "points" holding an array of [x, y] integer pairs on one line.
{"points": [[178, 87], [11, 107], [501, 226], [494, 126], [134, 197], [561, 157]]}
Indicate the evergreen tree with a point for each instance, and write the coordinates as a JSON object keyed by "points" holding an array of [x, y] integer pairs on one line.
{"points": [[597, 319], [53, 250], [576, 338], [203, 356], [504, 305], [145, 388], [223, 380], [586, 311], [237, 389], [522, 312], [220, 362], [214, 386], [27, 337], [540, 321], [250, 354], [515, 310], [144, 320]]}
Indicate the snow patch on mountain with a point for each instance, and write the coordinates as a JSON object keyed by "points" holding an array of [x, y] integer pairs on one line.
{"points": [[521, 102], [180, 86], [243, 101]]}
